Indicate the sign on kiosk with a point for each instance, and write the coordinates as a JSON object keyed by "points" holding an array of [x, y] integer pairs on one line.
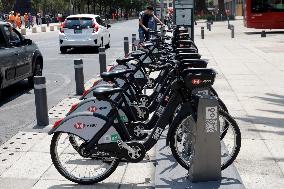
{"points": [[183, 14]]}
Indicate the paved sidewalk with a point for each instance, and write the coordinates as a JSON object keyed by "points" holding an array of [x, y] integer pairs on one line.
{"points": [[26, 163], [250, 82]]}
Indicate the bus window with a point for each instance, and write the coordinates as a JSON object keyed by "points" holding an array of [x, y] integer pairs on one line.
{"points": [[262, 6]]}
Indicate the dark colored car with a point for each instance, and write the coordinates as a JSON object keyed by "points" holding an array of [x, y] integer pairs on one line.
{"points": [[20, 58]]}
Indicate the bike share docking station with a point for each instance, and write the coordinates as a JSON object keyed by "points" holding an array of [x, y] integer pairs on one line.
{"points": [[206, 149], [205, 153]]}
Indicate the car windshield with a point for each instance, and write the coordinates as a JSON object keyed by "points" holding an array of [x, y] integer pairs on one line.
{"points": [[83, 22]]}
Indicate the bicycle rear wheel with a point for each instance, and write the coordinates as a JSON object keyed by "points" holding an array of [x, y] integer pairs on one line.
{"points": [[182, 141]]}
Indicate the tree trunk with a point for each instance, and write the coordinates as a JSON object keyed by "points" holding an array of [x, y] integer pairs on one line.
{"points": [[201, 7], [100, 8], [221, 5], [94, 6], [88, 6]]}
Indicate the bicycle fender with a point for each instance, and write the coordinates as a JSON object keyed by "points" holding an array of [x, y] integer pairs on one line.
{"points": [[85, 125], [97, 106], [186, 109], [92, 105]]}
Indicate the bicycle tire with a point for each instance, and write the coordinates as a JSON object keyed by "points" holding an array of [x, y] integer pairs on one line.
{"points": [[224, 165], [68, 176]]}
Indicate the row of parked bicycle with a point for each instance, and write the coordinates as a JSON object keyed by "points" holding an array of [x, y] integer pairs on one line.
{"points": [[112, 122]]}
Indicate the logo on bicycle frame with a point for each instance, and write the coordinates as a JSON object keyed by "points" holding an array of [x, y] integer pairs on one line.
{"points": [[79, 126], [92, 109]]}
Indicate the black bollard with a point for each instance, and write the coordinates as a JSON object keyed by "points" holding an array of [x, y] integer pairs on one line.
{"points": [[79, 76], [102, 58], [41, 101]]}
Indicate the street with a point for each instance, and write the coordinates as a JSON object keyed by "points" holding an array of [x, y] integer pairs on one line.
{"points": [[17, 108]]}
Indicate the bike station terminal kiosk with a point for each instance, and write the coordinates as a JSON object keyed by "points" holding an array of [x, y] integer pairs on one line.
{"points": [[183, 15]]}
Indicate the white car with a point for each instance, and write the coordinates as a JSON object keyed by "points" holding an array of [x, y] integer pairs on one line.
{"points": [[83, 30]]}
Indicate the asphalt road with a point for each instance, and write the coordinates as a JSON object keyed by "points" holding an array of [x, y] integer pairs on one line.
{"points": [[17, 109]]}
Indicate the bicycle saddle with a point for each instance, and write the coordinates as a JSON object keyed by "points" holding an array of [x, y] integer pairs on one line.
{"points": [[183, 34], [123, 61], [182, 56], [152, 32], [186, 50], [194, 63], [147, 45], [185, 41], [137, 54], [102, 93], [110, 76]]}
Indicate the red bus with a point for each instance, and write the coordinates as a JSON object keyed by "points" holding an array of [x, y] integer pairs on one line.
{"points": [[264, 14]]}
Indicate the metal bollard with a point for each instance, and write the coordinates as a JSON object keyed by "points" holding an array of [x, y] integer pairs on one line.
{"points": [[263, 33], [202, 32], [209, 27], [232, 31], [102, 58], [126, 46], [133, 40], [41, 101], [79, 76]]}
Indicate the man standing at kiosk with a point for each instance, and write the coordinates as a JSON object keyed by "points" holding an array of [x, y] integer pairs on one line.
{"points": [[144, 19]]}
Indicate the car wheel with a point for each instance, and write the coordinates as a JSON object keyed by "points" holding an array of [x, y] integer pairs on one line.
{"points": [[37, 72], [63, 50]]}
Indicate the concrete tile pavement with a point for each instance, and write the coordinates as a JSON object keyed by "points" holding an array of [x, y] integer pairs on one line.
{"points": [[31, 167], [252, 80]]}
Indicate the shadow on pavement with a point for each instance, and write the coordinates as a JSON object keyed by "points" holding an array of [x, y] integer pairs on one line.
{"points": [[101, 186], [273, 99], [84, 50], [183, 182], [264, 131], [14, 91], [267, 32]]}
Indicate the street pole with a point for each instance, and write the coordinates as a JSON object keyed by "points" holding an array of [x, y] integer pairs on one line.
{"points": [[155, 11], [162, 10], [155, 7]]}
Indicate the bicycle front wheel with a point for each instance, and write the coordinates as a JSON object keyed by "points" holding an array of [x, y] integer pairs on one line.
{"points": [[79, 167]]}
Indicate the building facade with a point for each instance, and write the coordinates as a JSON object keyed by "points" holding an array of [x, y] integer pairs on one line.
{"points": [[232, 7]]}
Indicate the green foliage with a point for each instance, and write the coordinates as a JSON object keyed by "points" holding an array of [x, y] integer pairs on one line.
{"points": [[1, 6], [83, 6]]}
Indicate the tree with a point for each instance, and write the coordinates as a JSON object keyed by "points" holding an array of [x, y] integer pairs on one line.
{"points": [[200, 7], [221, 5]]}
